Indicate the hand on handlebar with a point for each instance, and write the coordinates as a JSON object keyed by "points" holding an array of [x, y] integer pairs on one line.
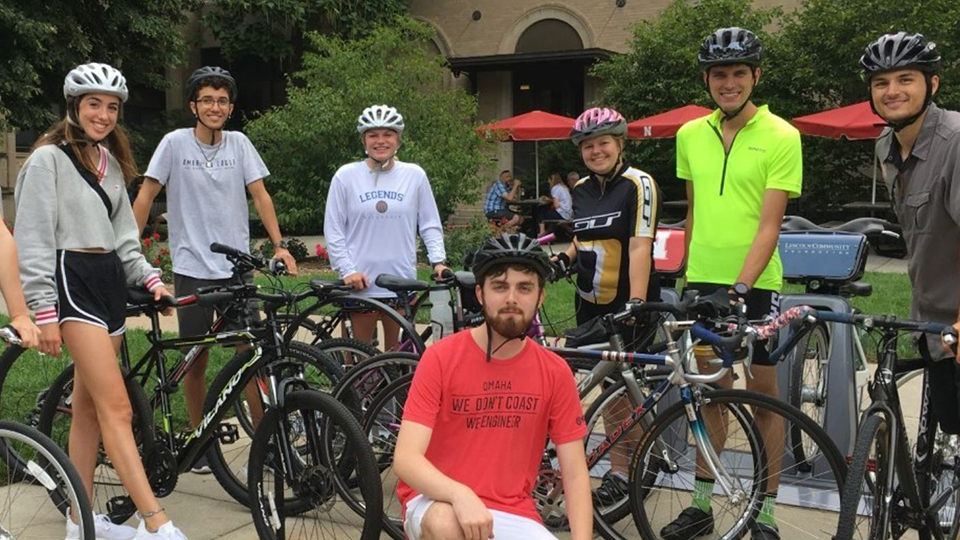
{"points": [[357, 280], [949, 341], [284, 255], [158, 294], [29, 333], [441, 271]]}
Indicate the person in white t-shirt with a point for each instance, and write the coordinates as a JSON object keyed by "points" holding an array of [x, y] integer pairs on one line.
{"points": [[375, 208], [557, 205]]}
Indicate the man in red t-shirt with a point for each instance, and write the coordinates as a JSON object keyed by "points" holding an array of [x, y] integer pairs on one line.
{"points": [[480, 410]]}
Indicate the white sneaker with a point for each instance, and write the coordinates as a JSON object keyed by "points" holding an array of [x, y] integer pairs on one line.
{"points": [[106, 530], [166, 532]]}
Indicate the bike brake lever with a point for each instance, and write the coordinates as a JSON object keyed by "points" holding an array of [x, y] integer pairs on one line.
{"points": [[748, 361]]}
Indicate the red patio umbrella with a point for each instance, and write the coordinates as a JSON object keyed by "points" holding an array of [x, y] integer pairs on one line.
{"points": [[853, 122], [665, 124], [532, 126]]}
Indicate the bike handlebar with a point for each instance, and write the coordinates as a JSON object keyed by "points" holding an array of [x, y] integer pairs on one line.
{"points": [[10, 335]]}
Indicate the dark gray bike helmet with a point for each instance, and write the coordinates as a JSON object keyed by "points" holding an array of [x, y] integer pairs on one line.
{"points": [[727, 46], [207, 72], [510, 249], [900, 51]]}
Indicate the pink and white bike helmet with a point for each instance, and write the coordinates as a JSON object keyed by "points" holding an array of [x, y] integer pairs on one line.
{"points": [[598, 121]]}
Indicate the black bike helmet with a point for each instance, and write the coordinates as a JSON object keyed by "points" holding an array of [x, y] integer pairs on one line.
{"points": [[899, 51], [730, 46], [207, 72], [510, 249]]}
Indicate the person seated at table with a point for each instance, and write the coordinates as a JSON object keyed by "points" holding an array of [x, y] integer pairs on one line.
{"points": [[558, 205], [572, 178], [495, 206]]}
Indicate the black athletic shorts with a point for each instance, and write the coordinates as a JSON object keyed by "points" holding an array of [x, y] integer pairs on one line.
{"points": [[761, 303], [196, 320], [92, 288]]}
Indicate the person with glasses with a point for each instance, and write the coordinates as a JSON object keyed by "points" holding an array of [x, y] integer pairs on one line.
{"points": [[208, 171]]}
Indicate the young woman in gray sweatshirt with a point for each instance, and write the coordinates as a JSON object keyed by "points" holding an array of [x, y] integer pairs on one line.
{"points": [[79, 251]]}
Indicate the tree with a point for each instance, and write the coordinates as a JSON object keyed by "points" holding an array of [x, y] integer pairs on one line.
{"points": [[314, 133], [276, 29], [660, 72], [139, 37]]}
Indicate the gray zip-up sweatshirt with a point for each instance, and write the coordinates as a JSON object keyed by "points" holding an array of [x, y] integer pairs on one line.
{"points": [[57, 209]]}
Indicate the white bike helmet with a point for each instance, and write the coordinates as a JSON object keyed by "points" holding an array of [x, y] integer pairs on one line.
{"points": [[380, 116], [94, 78]]}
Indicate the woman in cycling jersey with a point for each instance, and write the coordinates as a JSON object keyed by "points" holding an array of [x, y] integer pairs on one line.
{"points": [[615, 212], [374, 210], [79, 251]]}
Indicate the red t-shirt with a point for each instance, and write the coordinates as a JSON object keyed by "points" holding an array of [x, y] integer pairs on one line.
{"points": [[491, 420]]}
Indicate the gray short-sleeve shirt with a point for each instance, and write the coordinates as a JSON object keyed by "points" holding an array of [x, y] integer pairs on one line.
{"points": [[206, 197], [925, 189]]}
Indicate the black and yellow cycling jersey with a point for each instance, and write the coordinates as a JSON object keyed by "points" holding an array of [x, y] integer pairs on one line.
{"points": [[605, 217]]}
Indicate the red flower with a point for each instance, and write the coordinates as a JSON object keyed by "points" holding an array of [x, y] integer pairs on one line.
{"points": [[147, 242], [156, 262], [322, 253], [164, 252], [156, 236]]}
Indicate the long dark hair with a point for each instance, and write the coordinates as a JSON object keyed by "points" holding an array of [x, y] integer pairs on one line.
{"points": [[116, 142]]}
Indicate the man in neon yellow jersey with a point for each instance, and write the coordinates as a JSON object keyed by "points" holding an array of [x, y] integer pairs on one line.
{"points": [[741, 164]]}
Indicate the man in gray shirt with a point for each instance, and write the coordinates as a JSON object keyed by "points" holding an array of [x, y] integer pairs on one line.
{"points": [[207, 172], [920, 157]]}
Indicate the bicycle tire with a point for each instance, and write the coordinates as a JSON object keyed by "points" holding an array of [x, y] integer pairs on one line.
{"points": [[363, 382], [267, 515], [806, 519], [809, 398], [24, 380], [347, 352], [228, 469], [380, 428], [109, 495], [48, 469], [317, 371], [873, 434]]}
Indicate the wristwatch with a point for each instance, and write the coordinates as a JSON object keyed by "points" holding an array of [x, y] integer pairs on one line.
{"points": [[741, 289], [283, 243]]}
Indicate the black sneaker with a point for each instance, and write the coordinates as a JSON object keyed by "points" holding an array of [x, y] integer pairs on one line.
{"points": [[762, 531], [613, 489], [201, 465], [691, 523]]}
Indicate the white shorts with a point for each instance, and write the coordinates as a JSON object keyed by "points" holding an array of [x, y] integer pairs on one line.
{"points": [[506, 526]]}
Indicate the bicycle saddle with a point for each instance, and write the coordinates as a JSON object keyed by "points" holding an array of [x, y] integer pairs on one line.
{"points": [[865, 226], [466, 279], [399, 284], [587, 333]]}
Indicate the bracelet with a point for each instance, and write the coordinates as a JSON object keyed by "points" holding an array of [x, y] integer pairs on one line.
{"points": [[145, 515]]}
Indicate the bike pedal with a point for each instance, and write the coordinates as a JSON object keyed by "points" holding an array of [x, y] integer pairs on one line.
{"points": [[227, 433], [120, 506]]}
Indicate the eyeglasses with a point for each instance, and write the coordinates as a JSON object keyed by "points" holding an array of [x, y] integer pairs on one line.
{"points": [[209, 102]]}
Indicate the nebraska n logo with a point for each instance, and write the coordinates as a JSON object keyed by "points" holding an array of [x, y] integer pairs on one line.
{"points": [[595, 222]]}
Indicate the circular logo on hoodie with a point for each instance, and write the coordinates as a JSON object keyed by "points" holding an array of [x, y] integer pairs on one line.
{"points": [[381, 206]]}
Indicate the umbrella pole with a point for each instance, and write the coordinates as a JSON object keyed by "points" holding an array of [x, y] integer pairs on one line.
{"points": [[536, 158], [873, 195]]}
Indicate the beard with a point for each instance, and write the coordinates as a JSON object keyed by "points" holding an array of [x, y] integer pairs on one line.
{"points": [[510, 325]]}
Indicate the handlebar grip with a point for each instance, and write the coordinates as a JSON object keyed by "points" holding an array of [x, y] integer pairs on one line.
{"points": [[447, 274], [664, 307], [167, 301], [9, 334], [277, 267], [217, 247], [214, 298]]}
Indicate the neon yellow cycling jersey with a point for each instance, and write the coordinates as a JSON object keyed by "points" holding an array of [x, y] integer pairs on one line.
{"points": [[729, 189]]}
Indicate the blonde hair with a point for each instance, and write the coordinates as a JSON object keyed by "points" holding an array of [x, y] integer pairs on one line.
{"points": [[63, 132]]}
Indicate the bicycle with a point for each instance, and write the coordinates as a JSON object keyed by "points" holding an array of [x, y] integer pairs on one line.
{"points": [[38, 484], [167, 454], [886, 483], [661, 470]]}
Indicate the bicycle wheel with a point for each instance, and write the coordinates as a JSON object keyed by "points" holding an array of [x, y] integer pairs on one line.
{"points": [[109, 495], [805, 496], [321, 438], [362, 383], [381, 425], [862, 504], [34, 500], [347, 352], [24, 380], [808, 385], [316, 369], [228, 457]]}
